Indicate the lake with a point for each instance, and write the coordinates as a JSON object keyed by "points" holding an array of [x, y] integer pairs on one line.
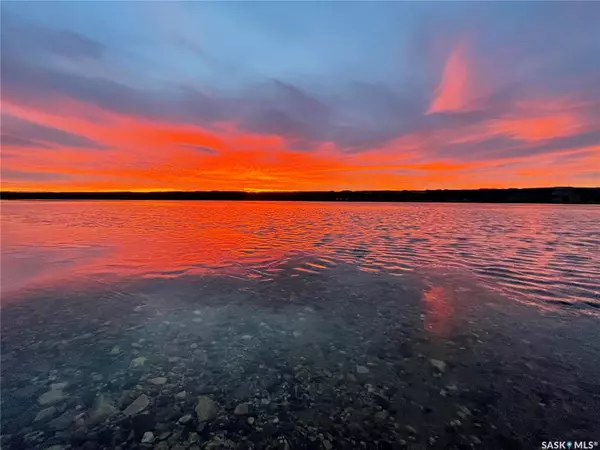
{"points": [[283, 325]]}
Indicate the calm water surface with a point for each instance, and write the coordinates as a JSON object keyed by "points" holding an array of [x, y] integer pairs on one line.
{"points": [[230, 325]]}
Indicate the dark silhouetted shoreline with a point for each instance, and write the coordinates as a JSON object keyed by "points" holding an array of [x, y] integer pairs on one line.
{"points": [[527, 195]]}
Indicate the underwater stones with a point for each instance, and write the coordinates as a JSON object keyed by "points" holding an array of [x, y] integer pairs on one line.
{"points": [[181, 395]]}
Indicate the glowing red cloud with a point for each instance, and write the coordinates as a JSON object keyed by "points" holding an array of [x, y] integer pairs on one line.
{"points": [[453, 91]]}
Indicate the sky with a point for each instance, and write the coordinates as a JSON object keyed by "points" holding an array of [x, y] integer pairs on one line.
{"points": [[146, 96]]}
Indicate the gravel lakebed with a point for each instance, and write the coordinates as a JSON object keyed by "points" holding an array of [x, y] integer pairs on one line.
{"points": [[338, 360]]}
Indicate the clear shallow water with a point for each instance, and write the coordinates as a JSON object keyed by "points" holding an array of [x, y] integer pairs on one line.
{"points": [[200, 325], [543, 254]]}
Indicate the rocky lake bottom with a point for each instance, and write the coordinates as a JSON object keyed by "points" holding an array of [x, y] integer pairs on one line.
{"points": [[342, 359]]}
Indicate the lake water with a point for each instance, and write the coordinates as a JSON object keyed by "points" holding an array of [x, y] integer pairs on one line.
{"points": [[178, 325]]}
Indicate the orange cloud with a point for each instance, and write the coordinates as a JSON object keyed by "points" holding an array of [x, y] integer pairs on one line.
{"points": [[143, 155], [453, 93]]}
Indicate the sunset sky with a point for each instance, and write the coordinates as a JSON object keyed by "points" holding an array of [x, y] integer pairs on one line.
{"points": [[299, 96]]}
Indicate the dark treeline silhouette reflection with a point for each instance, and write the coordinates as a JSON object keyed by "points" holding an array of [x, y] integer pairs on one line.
{"points": [[526, 195]]}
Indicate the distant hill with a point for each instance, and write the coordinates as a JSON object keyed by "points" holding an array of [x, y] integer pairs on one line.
{"points": [[528, 195]]}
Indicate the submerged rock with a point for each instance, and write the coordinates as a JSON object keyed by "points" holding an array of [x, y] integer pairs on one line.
{"points": [[45, 414], [206, 408], [51, 397], [362, 369], [138, 405], [139, 361], [181, 395], [242, 409], [62, 422], [102, 409], [439, 365], [115, 350], [185, 419], [158, 381], [148, 437]]}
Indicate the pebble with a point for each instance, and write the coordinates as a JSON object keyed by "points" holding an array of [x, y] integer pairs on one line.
{"points": [[181, 395], [251, 420], [194, 345], [242, 409], [139, 361], [439, 365], [45, 414], [327, 445], [246, 337], [185, 419], [148, 437], [51, 397], [58, 386], [158, 381], [138, 405], [362, 369]]}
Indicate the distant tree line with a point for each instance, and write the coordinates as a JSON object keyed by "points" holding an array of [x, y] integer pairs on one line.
{"points": [[527, 195]]}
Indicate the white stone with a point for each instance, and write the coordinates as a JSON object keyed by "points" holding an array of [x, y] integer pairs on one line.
{"points": [[148, 437]]}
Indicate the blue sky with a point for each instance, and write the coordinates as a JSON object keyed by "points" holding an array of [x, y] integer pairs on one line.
{"points": [[416, 84]]}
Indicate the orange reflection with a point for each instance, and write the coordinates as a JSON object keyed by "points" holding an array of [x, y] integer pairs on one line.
{"points": [[439, 310]]}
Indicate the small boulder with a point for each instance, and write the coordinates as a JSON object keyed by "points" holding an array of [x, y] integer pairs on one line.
{"points": [[158, 381]]}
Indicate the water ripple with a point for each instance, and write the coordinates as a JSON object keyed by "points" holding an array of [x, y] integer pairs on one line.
{"points": [[541, 253]]}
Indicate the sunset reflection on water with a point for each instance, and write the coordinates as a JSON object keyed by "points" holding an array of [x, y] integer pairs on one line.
{"points": [[543, 253]]}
